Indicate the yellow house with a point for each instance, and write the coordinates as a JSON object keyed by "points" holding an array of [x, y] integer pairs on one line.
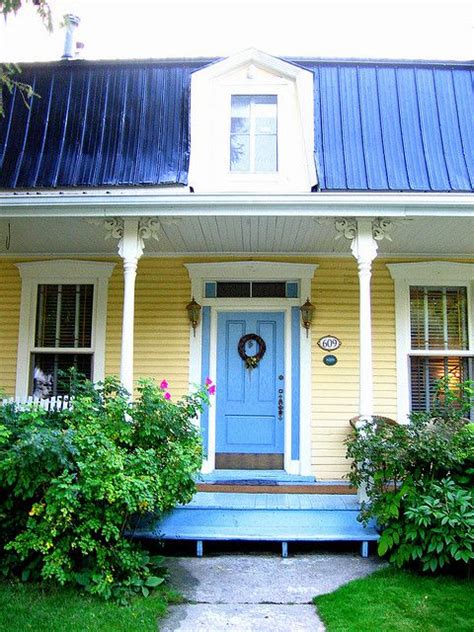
{"points": [[251, 186]]}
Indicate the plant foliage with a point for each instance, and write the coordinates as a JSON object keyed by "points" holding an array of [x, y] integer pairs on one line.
{"points": [[72, 481], [419, 481]]}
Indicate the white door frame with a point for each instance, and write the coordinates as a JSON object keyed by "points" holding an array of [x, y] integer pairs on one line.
{"points": [[261, 271]]}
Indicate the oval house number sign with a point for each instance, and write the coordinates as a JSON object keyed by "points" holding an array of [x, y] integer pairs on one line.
{"points": [[329, 343]]}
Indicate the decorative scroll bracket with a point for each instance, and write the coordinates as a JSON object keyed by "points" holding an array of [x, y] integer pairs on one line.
{"points": [[348, 227]]}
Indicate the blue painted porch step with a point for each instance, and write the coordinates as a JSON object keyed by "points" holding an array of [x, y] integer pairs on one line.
{"points": [[263, 517]]}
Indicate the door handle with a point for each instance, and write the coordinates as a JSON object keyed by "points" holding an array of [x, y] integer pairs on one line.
{"points": [[280, 404]]}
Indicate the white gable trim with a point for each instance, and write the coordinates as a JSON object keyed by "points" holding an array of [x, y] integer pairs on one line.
{"points": [[248, 56]]}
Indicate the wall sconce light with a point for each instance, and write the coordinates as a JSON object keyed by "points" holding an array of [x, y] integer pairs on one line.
{"points": [[307, 311], [194, 310]]}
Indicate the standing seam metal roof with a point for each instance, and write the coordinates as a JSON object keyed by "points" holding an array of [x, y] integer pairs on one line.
{"points": [[379, 126]]}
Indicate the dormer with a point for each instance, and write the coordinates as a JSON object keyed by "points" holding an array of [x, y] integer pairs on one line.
{"points": [[252, 126]]}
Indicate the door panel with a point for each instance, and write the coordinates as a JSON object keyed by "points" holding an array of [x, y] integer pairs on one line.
{"points": [[247, 419]]}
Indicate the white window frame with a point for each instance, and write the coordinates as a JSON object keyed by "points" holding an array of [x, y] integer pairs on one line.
{"points": [[57, 272], [432, 274]]}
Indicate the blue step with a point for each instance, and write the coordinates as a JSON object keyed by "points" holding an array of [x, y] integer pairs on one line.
{"points": [[263, 517]]}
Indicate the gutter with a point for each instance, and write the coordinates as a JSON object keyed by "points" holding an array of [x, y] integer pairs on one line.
{"points": [[141, 202]]}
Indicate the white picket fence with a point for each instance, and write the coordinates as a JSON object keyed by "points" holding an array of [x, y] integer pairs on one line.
{"points": [[59, 402]]}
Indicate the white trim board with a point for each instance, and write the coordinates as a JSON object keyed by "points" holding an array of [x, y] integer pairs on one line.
{"points": [[158, 204]]}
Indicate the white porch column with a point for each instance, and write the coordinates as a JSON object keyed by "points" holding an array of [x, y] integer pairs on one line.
{"points": [[131, 234], [364, 249], [130, 248]]}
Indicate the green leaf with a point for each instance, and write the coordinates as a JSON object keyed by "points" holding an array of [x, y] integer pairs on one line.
{"points": [[382, 546], [145, 591], [153, 582]]}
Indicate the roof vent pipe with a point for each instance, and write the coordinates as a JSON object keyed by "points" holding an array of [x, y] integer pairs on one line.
{"points": [[71, 22]]}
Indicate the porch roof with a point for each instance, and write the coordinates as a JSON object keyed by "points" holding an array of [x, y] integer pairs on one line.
{"points": [[237, 235], [379, 126]]}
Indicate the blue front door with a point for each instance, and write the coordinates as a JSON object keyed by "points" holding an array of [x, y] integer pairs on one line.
{"points": [[250, 401]]}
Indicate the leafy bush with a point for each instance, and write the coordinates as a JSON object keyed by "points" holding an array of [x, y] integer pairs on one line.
{"points": [[71, 481], [419, 481]]}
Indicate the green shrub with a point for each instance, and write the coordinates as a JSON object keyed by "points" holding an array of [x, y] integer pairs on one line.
{"points": [[419, 482], [71, 482]]}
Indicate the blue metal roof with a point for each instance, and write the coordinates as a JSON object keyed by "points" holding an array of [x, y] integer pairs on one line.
{"points": [[379, 126], [403, 127], [98, 125]]}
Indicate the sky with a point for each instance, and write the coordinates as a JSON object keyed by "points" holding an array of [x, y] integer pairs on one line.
{"points": [[417, 29]]}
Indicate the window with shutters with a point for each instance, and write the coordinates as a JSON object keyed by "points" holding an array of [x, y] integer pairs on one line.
{"points": [[434, 327], [62, 324]]}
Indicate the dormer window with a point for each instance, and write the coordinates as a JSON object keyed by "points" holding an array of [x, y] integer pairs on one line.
{"points": [[253, 134], [252, 126]]}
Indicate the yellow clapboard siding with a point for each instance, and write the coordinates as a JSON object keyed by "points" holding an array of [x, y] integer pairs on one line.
{"points": [[10, 292], [162, 339]]}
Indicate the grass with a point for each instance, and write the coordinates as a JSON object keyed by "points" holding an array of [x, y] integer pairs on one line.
{"points": [[391, 600], [26, 607]]}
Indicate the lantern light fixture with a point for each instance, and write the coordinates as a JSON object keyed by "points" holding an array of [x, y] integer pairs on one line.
{"points": [[194, 310], [307, 311]]}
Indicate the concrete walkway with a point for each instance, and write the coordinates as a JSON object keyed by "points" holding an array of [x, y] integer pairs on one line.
{"points": [[258, 592]]}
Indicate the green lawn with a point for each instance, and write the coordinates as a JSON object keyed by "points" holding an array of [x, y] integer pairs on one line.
{"points": [[391, 600], [26, 607]]}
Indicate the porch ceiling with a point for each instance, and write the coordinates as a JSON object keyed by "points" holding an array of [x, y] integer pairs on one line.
{"points": [[240, 235]]}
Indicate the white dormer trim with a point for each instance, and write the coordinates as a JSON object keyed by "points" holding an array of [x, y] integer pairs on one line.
{"points": [[252, 72]]}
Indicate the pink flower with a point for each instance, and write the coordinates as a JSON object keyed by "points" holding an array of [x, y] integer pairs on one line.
{"points": [[208, 381], [212, 389], [163, 385], [167, 396]]}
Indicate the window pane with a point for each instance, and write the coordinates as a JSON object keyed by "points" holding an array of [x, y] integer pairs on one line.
{"points": [[425, 372], [268, 290], [265, 153], [64, 316], [438, 318], [240, 113], [239, 152], [265, 110], [46, 367], [233, 289]]}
